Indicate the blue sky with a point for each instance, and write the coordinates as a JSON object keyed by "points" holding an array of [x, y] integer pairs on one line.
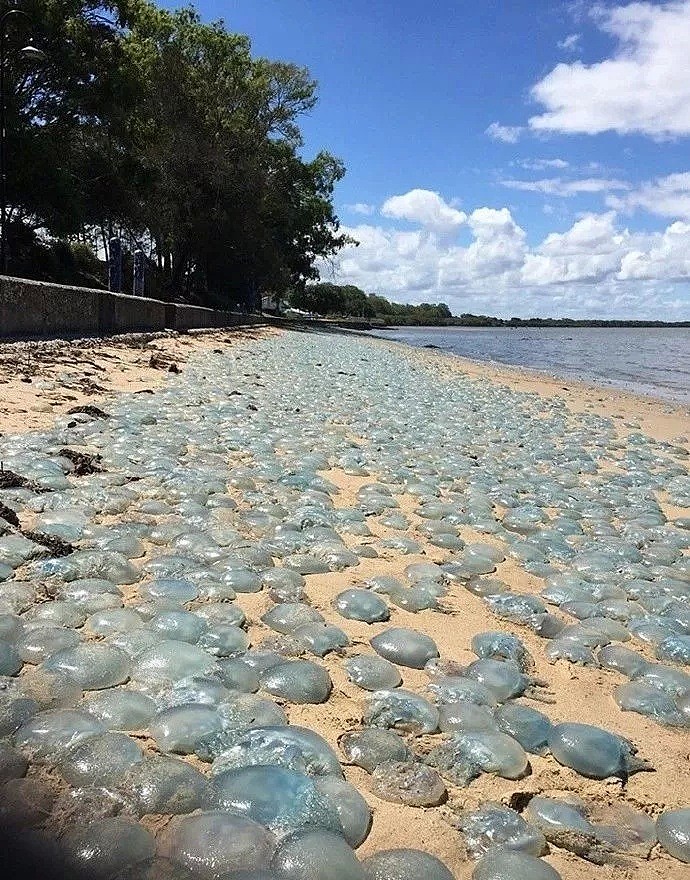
{"points": [[509, 158]]}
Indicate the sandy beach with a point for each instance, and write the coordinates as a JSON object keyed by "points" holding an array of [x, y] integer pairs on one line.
{"points": [[40, 382]]}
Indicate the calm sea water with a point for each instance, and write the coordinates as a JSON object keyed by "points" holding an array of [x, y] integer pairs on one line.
{"points": [[653, 361]]}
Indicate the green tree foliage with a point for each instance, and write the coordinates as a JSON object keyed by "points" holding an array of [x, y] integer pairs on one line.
{"points": [[156, 126], [348, 301]]}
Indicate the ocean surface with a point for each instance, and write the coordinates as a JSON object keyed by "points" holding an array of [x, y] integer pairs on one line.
{"points": [[651, 361]]}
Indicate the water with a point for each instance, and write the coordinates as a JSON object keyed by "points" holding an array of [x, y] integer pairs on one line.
{"points": [[653, 361]]}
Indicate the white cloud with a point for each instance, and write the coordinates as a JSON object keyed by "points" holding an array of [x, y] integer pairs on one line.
{"points": [[669, 257], [596, 267], [571, 43], [361, 208], [666, 196], [507, 134], [543, 164], [644, 87], [426, 208], [556, 186]]}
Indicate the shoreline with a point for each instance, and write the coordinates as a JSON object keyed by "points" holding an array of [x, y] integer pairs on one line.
{"points": [[663, 420], [616, 385], [138, 363]]}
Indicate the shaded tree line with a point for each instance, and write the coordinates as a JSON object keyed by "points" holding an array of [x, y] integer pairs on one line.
{"points": [[158, 128], [346, 301]]}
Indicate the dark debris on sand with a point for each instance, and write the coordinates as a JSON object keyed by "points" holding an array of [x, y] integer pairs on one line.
{"points": [[56, 546], [88, 410], [84, 463]]}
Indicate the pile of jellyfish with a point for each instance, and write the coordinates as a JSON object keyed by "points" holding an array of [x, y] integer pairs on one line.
{"points": [[137, 679]]}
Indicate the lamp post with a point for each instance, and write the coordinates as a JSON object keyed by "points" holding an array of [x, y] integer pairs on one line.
{"points": [[34, 54]]}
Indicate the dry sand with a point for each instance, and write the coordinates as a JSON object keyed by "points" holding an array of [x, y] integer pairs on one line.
{"points": [[579, 694]]}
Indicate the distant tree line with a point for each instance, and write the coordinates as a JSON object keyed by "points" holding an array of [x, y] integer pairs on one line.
{"points": [[348, 301], [153, 126]]}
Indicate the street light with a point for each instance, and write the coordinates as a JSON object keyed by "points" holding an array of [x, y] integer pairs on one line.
{"points": [[33, 54]]}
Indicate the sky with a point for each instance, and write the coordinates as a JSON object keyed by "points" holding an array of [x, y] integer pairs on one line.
{"points": [[520, 158]]}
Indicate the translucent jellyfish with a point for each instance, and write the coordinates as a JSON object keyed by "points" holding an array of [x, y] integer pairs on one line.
{"points": [[353, 811], [237, 676], [304, 563], [179, 729], [529, 727], [181, 626], [372, 673], [620, 659], [169, 661], [313, 854], [287, 616], [405, 647], [403, 864], [675, 648], [402, 709], [13, 765], [50, 734], [244, 710], [674, 681], [502, 677], [99, 760], [572, 650], [281, 799], [555, 816], [10, 660], [206, 690], [104, 848], [370, 747], [458, 689], [294, 747], [162, 784], [16, 711], [465, 716], [637, 696], [284, 584], [92, 665], [673, 831], [502, 646], [408, 782], [493, 825], [114, 620], [515, 607], [299, 681], [594, 752], [24, 803], [362, 605], [51, 690], [566, 825], [321, 638], [221, 612], [501, 864], [467, 755], [224, 640], [215, 844]]}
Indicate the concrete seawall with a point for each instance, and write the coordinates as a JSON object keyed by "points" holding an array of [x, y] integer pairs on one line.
{"points": [[38, 309]]}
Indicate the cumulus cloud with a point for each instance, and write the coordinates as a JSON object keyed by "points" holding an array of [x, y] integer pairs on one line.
{"points": [[666, 196], [426, 208], [556, 186], [643, 87], [361, 208], [507, 134], [596, 267]]}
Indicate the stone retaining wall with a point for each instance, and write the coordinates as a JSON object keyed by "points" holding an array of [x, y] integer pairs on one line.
{"points": [[37, 309]]}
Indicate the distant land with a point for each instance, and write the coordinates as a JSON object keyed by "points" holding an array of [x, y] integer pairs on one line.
{"points": [[345, 301]]}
